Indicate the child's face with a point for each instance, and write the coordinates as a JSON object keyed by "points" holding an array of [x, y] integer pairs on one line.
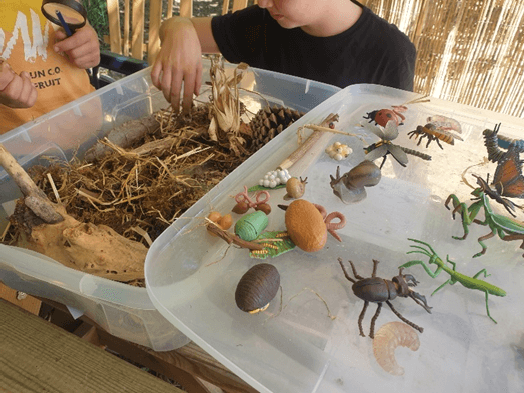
{"points": [[292, 13]]}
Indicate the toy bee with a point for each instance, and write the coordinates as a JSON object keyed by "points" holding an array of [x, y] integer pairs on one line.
{"points": [[438, 129]]}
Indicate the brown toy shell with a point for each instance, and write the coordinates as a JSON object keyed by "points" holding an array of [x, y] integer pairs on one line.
{"points": [[305, 225], [295, 188], [365, 174], [257, 287]]}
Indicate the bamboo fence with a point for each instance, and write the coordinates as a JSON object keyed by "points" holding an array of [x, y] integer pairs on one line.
{"points": [[468, 51]]}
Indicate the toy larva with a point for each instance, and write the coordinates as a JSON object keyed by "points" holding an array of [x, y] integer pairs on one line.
{"points": [[307, 224], [338, 151], [387, 339], [493, 142], [257, 287]]}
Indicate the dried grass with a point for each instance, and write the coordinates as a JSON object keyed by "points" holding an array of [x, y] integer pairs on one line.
{"points": [[139, 191], [132, 189]]}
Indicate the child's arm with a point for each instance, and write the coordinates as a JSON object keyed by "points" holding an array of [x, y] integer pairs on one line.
{"points": [[16, 91], [180, 58], [82, 47]]}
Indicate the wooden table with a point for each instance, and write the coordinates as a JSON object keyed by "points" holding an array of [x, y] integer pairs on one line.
{"points": [[37, 356], [190, 365]]}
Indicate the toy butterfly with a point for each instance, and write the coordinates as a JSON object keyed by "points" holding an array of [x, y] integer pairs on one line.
{"points": [[508, 180]]}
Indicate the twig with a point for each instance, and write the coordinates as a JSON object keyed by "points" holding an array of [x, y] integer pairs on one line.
{"points": [[314, 127], [418, 100], [5, 231], [35, 198], [142, 233], [53, 186], [308, 143], [230, 238]]}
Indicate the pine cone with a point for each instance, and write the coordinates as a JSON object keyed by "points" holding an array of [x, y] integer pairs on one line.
{"points": [[269, 122]]}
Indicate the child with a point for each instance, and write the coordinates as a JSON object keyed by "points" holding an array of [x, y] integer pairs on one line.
{"points": [[42, 69], [339, 42]]}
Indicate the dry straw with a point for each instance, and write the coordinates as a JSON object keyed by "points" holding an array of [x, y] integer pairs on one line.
{"points": [[468, 51]]}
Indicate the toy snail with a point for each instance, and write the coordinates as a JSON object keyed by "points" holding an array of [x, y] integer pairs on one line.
{"points": [[350, 187], [295, 188], [257, 287]]}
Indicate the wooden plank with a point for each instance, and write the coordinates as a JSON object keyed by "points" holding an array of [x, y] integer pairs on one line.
{"points": [[169, 12], [127, 19], [225, 7], [38, 357], [155, 17], [239, 5], [186, 8], [28, 302], [115, 37], [137, 33], [190, 358]]}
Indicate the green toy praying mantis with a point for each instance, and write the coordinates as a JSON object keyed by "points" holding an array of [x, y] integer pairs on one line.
{"points": [[466, 281], [506, 228]]}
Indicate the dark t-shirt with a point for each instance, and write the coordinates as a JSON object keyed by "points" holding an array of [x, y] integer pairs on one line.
{"points": [[370, 51]]}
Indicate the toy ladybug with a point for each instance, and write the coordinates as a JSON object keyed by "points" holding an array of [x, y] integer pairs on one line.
{"points": [[382, 116]]}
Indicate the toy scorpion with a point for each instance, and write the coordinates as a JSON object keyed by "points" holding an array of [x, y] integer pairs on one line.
{"points": [[378, 290]]}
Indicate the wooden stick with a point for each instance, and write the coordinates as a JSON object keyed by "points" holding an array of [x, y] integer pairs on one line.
{"points": [[308, 143], [230, 238], [35, 198], [314, 127]]}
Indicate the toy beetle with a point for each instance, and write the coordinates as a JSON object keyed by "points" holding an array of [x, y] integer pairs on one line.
{"points": [[382, 116], [378, 290]]}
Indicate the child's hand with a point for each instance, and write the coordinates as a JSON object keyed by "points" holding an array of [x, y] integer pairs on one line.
{"points": [[179, 60], [16, 91], [82, 47]]}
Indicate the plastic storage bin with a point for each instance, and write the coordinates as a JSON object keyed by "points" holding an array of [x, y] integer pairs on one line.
{"points": [[306, 345], [122, 310]]}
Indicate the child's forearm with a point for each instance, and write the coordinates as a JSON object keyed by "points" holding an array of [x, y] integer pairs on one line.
{"points": [[186, 26]]}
